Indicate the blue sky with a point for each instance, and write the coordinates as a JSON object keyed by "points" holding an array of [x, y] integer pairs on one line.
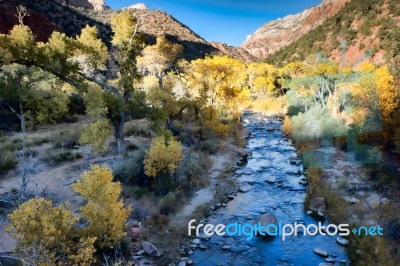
{"points": [[228, 21]]}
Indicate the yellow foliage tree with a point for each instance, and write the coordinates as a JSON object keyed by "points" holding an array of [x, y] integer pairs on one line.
{"points": [[104, 208], [164, 156], [387, 92], [262, 77], [45, 235], [96, 135], [218, 80]]}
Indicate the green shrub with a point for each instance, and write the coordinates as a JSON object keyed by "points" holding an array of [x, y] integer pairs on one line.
{"points": [[168, 204], [135, 191], [7, 155], [7, 161], [65, 156], [209, 146], [192, 171], [132, 129], [127, 169], [66, 139]]}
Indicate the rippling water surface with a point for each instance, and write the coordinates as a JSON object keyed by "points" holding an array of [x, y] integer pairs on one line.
{"points": [[271, 153]]}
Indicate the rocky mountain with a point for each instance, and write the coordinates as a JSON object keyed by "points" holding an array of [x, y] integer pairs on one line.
{"points": [[92, 4], [48, 15], [279, 33], [361, 30]]}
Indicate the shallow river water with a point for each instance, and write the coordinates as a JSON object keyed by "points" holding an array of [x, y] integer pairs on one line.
{"points": [[283, 197]]}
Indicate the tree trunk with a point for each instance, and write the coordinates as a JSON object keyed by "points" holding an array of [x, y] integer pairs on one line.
{"points": [[118, 124], [167, 124], [22, 117]]}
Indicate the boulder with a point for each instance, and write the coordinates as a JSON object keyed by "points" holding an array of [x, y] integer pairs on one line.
{"points": [[245, 187], [384, 201], [265, 220], [151, 250], [303, 182], [226, 247], [136, 232], [321, 252], [354, 200], [342, 241], [242, 152], [295, 161], [318, 204], [196, 241]]}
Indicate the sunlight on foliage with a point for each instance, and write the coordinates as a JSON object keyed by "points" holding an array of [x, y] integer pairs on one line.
{"points": [[104, 208]]}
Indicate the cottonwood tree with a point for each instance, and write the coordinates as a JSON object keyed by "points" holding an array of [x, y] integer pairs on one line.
{"points": [[82, 60], [104, 208], [262, 78], [157, 60], [219, 81], [46, 235], [49, 235], [163, 158], [31, 95]]}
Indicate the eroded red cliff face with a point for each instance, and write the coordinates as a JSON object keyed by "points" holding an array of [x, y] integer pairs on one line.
{"points": [[279, 33]]}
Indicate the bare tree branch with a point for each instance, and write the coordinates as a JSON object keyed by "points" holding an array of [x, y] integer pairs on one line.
{"points": [[22, 12]]}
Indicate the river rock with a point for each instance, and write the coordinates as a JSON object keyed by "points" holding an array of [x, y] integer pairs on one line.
{"points": [[303, 182], [226, 247], [354, 200], [151, 250], [329, 260], [384, 201], [321, 252], [203, 236], [196, 241], [140, 252], [238, 249], [202, 247], [342, 241], [265, 220], [242, 152], [318, 204], [245, 187], [295, 161], [271, 180], [182, 263]]}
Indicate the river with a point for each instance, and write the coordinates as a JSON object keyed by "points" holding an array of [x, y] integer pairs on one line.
{"points": [[276, 190]]}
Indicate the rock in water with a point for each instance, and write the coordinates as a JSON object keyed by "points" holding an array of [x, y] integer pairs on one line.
{"points": [[265, 220], [150, 249], [245, 187], [354, 200], [321, 252], [342, 241]]}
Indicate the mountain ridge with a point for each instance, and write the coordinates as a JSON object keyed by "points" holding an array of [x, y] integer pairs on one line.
{"points": [[279, 33], [61, 15]]}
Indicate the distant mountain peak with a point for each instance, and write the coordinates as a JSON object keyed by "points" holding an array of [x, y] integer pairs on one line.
{"points": [[90, 4], [140, 6]]}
